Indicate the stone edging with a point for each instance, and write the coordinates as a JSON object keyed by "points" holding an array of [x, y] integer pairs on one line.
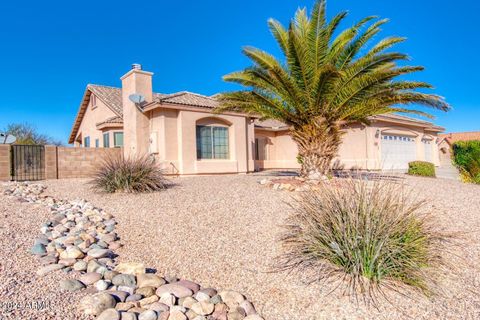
{"points": [[81, 238], [291, 184]]}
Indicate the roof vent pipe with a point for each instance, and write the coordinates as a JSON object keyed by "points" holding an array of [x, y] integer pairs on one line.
{"points": [[136, 66]]}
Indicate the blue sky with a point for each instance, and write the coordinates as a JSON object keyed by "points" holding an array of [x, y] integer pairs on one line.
{"points": [[50, 50]]}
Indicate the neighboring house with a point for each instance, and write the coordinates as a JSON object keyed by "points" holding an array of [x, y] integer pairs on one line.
{"points": [[446, 141], [187, 137]]}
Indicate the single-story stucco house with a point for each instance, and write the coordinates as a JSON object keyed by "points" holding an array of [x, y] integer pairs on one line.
{"points": [[187, 137]]}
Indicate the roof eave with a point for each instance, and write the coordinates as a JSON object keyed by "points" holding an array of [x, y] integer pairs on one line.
{"points": [[272, 129], [101, 126], [187, 107], [83, 107], [409, 121], [80, 114]]}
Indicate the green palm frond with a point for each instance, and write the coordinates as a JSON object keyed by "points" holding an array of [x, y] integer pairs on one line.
{"points": [[328, 75]]}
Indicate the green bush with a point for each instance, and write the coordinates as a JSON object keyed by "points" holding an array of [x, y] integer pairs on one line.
{"points": [[466, 155], [136, 174], [368, 235], [421, 168]]}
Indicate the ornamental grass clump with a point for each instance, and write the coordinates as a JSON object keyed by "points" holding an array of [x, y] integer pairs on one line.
{"points": [[368, 235], [123, 174]]}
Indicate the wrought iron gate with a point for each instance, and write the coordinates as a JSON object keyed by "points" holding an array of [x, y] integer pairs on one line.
{"points": [[28, 162]]}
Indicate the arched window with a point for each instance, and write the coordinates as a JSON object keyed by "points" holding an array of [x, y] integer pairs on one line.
{"points": [[212, 140]]}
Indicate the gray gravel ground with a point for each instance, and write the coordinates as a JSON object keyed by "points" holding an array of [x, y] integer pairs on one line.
{"points": [[221, 231], [23, 294]]}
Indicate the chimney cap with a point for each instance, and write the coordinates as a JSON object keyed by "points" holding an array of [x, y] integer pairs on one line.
{"points": [[136, 66]]}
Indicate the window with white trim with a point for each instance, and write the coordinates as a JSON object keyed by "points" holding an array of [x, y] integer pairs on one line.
{"points": [[118, 139], [106, 140]]}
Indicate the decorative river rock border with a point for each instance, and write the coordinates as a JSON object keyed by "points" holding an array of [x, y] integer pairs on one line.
{"points": [[81, 238], [291, 184]]}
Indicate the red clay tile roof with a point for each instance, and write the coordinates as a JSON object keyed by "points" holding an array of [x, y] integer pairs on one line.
{"points": [[114, 119], [189, 99], [270, 124], [112, 97], [275, 124], [460, 136]]}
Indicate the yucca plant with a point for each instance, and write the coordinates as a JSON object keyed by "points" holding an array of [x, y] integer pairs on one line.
{"points": [[324, 82], [129, 174], [366, 235]]}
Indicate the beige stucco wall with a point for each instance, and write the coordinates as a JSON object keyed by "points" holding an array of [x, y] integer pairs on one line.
{"points": [[88, 128], [444, 153], [176, 148], [280, 151], [360, 148], [164, 139], [135, 122], [354, 151]]}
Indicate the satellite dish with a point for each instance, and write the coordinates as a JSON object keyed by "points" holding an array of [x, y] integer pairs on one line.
{"points": [[6, 138], [136, 98]]}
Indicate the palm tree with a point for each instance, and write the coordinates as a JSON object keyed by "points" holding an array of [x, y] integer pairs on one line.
{"points": [[325, 82]]}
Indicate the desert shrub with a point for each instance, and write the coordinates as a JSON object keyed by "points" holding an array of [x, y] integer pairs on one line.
{"points": [[367, 235], [466, 155], [135, 174], [299, 159], [421, 168]]}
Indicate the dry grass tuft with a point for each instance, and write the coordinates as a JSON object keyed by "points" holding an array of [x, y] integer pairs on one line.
{"points": [[365, 236], [135, 174]]}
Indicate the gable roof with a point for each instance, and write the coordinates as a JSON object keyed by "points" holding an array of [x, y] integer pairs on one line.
{"points": [[189, 99], [279, 126], [114, 119], [270, 124], [460, 136], [112, 97], [396, 118]]}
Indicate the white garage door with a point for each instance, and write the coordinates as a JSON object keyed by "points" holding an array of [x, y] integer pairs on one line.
{"points": [[427, 144], [397, 151]]}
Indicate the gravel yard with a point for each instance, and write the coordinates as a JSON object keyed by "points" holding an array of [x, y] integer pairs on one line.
{"points": [[221, 232], [24, 295]]}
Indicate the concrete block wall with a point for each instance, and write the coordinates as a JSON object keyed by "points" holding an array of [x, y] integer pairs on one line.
{"points": [[4, 162], [51, 162], [80, 162], [63, 162]]}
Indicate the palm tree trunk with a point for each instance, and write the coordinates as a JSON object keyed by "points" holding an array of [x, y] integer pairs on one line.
{"points": [[318, 144]]}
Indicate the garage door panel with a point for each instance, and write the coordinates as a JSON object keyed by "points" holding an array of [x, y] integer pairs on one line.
{"points": [[427, 145], [397, 151]]}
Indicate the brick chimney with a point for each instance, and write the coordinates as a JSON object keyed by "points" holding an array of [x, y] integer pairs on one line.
{"points": [[135, 122]]}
